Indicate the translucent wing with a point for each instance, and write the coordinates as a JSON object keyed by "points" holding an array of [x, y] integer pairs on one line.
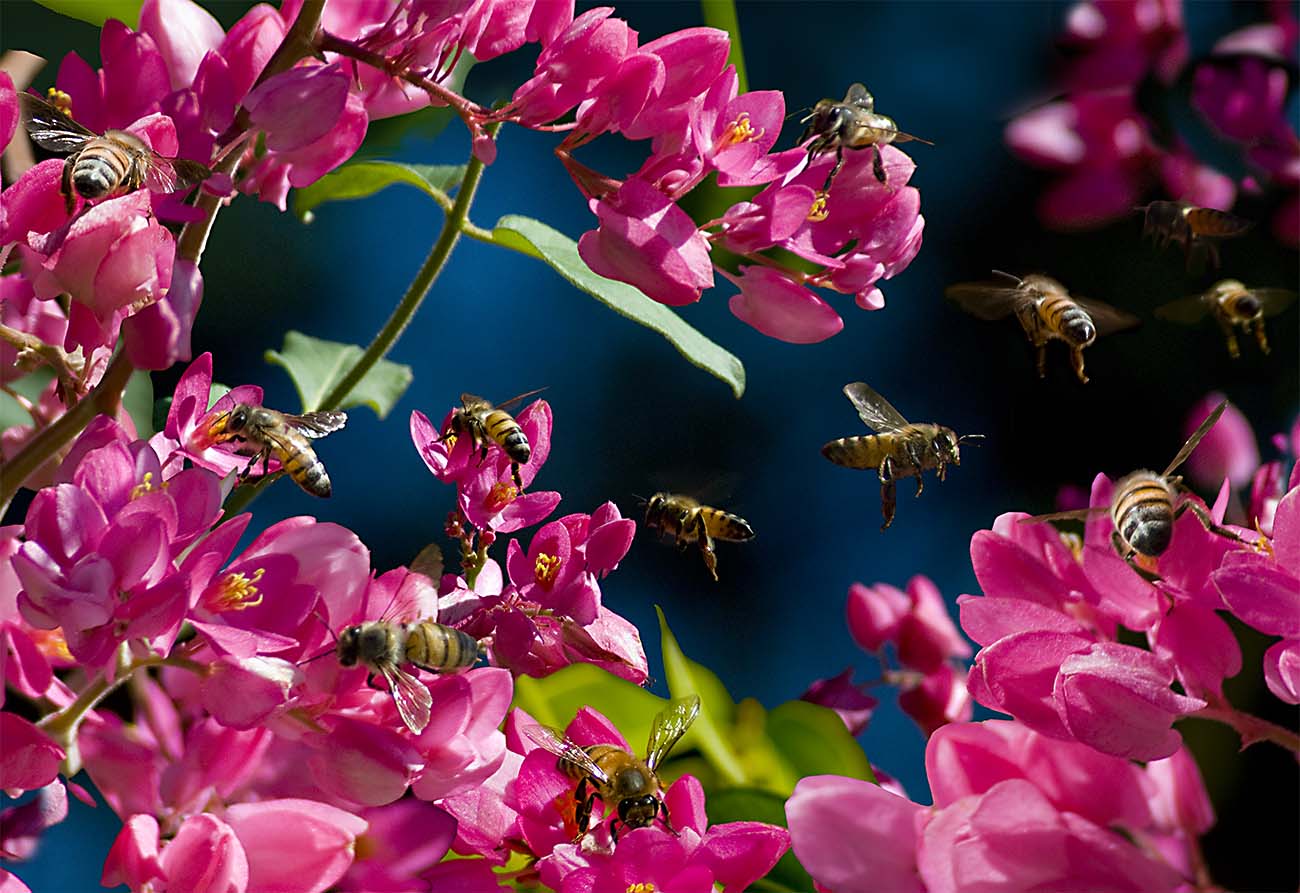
{"points": [[317, 424], [1273, 301], [902, 137], [49, 128], [1217, 224], [873, 409], [1073, 515], [429, 562], [1195, 438], [519, 399], [411, 697], [1184, 310], [986, 300], [857, 95], [1107, 319], [669, 726], [555, 741], [172, 174]]}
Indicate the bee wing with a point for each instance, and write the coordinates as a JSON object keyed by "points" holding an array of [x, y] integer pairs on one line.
{"points": [[669, 726], [411, 696], [513, 400], [556, 742], [429, 562], [49, 128], [317, 424], [1105, 318], [904, 137], [985, 300], [172, 174], [1273, 301], [858, 95], [1195, 438], [1185, 310], [873, 409], [1073, 515], [1218, 224]]}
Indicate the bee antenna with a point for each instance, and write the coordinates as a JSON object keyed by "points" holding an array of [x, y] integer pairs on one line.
{"points": [[329, 629], [641, 500], [1001, 274], [966, 437], [806, 108], [316, 657]]}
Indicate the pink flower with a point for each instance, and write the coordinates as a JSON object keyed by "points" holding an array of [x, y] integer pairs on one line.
{"points": [[184, 33], [1115, 44], [295, 846], [1241, 90], [874, 614], [21, 827], [853, 705], [8, 112], [779, 308], [1282, 670], [400, 841], [31, 760], [205, 856], [940, 697], [1228, 450], [587, 51], [185, 435], [645, 240]]}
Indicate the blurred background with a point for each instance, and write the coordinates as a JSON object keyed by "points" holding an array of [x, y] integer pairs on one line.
{"points": [[632, 417]]}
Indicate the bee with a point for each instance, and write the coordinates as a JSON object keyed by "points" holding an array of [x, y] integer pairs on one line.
{"points": [[687, 521], [383, 646], [104, 166], [1234, 307], [1045, 310], [1145, 505], [616, 776], [851, 123], [1195, 228], [898, 449], [268, 433], [485, 424]]}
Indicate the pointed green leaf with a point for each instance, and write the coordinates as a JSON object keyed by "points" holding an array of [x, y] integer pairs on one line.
{"points": [[814, 740], [721, 14], [138, 400], [712, 727], [316, 365], [29, 387], [536, 239], [555, 700], [753, 805], [364, 178], [97, 12]]}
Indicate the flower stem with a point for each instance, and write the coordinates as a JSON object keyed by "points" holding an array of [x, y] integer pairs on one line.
{"points": [[105, 398], [419, 288], [1251, 728]]}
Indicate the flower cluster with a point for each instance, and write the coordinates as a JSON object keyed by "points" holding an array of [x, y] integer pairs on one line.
{"points": [[1107, 149]]}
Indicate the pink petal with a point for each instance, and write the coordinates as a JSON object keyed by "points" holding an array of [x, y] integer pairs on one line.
{"points": [[30, 759], [364, 763], [770, 302], [205, 857], [295, 846], [184, 33], [1282, 670], [133, 859], [299, 106]]}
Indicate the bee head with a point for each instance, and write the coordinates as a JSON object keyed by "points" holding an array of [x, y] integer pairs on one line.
{"points": [[638, 812], [1248, 304], [654, 506], [947, 444], [238, 418], [349, 646]]}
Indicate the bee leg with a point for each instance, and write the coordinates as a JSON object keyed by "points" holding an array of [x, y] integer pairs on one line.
{"points": [[914, 456], [514, 473], [582, 812], [710, 557], [1076, 357], [878, 163], [1041, 347], [668, 822], [248, 469], [888, 497], [65, 184], [839, 163], [1260, 336], [1208, 523], [1230, 335]]}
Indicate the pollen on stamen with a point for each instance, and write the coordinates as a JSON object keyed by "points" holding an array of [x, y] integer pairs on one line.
{"points": [[60, 100], [146, 486], [641, 888], [235, 592], [546, 568], [501, 495], [741, 131], [818, 212], [50, 642]]}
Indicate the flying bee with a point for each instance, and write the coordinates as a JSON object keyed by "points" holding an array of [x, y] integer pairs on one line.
{"points": [[898, 449], [1045, 310], [687, 521], [485, 424], [104, 166], [616, 776], [1195, 228], [264, 433], [1145, 505], [851, 123], [1234, 307]]}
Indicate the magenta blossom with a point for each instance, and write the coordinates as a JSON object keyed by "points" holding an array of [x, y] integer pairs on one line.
{"points": [[184, 437], [1227, 450]]}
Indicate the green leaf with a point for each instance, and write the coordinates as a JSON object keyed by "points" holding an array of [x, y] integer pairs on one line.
{"points": [[316, 365], [536, 239], [712, 727], [555, 700], [97, 12], [721, 14], [753, 805], [814, 740], [138, 400], [364, 178], [30, 387]]}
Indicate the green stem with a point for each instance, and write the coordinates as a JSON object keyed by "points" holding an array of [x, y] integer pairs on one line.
{"points": [[105, 398], [1251, 728], [721, 14], [424, 279]]}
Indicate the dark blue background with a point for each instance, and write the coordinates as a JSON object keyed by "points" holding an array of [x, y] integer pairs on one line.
{"points": [[632, 416]]}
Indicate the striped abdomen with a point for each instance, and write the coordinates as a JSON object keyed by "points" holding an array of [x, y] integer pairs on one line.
{"points": [[859, 451], [1143, 511], [724, 525], [1215, 223], [108, 165], [436, 647], [1066, 320], [301, 463], [503, 429]]}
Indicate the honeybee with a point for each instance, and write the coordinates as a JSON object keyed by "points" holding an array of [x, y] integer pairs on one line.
{"points": [[687, 521], [485, 423], [1145, 505], [851, 123], [104, 166], [1234, 307], [382, 646], [268, 433], [899, 449], [615, 775], [1045, 310], [1195, 228]]}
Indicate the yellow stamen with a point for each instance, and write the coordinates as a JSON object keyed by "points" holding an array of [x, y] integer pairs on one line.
{"points": [[640, 888], [51, 643], [741, 131], [235, 592], [546, 568], [60, 100], [501, 495], [1074, 543], [146, 486], [818, 212]]}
